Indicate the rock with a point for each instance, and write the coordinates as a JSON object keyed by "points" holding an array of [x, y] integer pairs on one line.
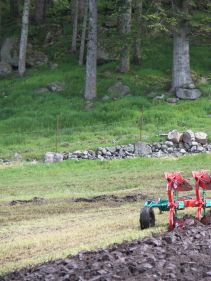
{"points": [[41, 90], [142, 149], [58, 157], [103, 56], [105, 98], [174, 136], [188, 94], [159, 98], [172, 100], [183, 151], [119, 90], [53, 66], [100, 157], [56, 87], [200, 149], [9, 51], [5, 69], [17, 157], [194, 143], [104, 151], [36, 58], [170, 149], [158, 154], [169, 143], [188, 137], [111, 149], [201, 137], [193, 149], [152, 241], [129, 148], [49, 157]]}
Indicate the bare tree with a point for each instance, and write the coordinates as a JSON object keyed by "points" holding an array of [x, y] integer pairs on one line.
{"points": [[74, 25], [125, 29], [181, 75], [91, 61], [24, 38], [40, 11], [83, 34]]}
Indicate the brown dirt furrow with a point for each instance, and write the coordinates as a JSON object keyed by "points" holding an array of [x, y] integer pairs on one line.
{"points": [[183, 254]]}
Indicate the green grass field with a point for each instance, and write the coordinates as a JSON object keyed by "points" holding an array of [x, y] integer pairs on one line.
{"points": [[34, 233]]}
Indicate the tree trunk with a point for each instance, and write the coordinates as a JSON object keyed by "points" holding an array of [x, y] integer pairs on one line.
{"points": [[182, 82], [81, 9], [137, 40], [24, 38], [91, 61], [125, 29], [181, 77], [83, 35], [74, 25], [14, 9], [40, 11]]}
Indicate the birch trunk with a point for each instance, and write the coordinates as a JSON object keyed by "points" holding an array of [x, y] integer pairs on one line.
{"points": [[137, 40], [24, 38], [74, 25], [125, 29], [40, 11], [83, 35], [91, 61], [182, 82]]}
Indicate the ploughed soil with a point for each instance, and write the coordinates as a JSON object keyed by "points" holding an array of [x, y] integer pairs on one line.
{"points": [[183, 254], [112, 198], [101, 198]]}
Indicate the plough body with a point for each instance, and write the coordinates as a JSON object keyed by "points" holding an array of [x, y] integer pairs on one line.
{"points": [[175, 184]]}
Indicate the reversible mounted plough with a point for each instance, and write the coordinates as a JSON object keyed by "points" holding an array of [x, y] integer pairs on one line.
{"points": [[176, 184]]}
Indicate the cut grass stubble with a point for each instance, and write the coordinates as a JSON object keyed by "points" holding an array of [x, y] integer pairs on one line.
{"points": [[32, 233]]}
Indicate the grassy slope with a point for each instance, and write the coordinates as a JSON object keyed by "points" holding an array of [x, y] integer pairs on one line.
{"points": [[32, 233], [28, 120]]}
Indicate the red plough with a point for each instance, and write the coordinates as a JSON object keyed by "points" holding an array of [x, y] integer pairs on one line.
{"points": [[175, 184]]}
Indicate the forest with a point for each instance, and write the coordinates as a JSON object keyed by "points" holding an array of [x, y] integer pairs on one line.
{"points": [[98, 100]]}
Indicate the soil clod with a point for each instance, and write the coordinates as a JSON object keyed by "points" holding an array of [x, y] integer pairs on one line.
{"points": [[183, 254]]}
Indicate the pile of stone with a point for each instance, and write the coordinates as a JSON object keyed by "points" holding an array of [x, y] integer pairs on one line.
{"points": [[177, 144]]}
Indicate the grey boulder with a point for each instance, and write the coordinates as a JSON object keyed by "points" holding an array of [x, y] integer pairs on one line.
{"points": [[188, 94], [142, 149], [5, 69]]}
